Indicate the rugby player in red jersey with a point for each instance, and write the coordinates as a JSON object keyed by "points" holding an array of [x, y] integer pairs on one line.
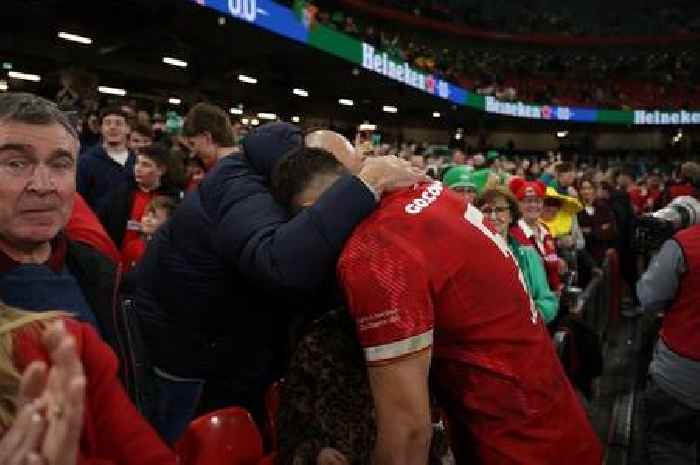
{"points": [[436, 293]]}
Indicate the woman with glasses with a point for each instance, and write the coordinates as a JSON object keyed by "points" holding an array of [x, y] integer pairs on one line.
{"points": [[501, 208]]}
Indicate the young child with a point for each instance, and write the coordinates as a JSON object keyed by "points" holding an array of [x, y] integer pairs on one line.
{"points": [[157, 212]]}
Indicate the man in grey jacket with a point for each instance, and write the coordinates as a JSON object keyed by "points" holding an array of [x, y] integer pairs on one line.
{"points": [[672, 285]]}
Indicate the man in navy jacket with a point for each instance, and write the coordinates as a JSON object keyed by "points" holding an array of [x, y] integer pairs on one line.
{"points": [[108, 165], [222, 279]]}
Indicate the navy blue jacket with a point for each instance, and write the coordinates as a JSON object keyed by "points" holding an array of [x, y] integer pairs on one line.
{"points": [[220, 280], [99, 175]]}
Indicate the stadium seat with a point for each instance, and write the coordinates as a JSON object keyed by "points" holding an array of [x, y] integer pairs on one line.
{"points": [[225, 437]]}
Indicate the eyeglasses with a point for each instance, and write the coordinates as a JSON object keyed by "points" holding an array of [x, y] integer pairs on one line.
{"points": [[488, 211]]}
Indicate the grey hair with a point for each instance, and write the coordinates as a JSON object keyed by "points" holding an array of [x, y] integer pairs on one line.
{"points": [[31, 109]]}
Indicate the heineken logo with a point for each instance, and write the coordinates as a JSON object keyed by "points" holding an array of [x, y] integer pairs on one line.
{"points": [[517, 109], [666, 117], [380, 63]]}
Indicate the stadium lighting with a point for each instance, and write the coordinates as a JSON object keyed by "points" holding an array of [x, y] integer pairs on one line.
{"points": [[175, 62], [3, 86], [268, 116], [174, 101], [562, 134], [75, 38], [436, 114], [247, 79], [245, 121], [368, 127], [24, 76], [254, 122], [296, 119], [346, 101], [111, 91], [390, 109], [235, 111], [300, 92]]}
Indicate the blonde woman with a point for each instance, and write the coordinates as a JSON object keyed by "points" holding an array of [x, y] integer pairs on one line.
{"points": [[61, 402]]}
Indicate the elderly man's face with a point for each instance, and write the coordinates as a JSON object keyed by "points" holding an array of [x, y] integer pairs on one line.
{"points": [[37, 182]]}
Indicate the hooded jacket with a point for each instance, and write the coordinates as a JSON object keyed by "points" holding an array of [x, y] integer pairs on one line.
{"points": [[218, 281]]}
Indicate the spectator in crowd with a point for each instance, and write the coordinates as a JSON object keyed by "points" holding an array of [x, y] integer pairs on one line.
{"points": [[141, 135], [209, 134], [387, 264], [230, 261], [529, 231], [499, 206], [90, 134], [597, 221], [646, 197], [625, 221], [671, 285], [563, 179], [458, 157], [107, 166], [459, 179], [157, 212], [418, 161], [126, 206], [688, 183], [559, 215], [40, 269], [62, 401]]}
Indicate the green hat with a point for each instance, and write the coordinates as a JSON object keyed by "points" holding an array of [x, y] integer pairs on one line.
{"points": [[459, 176], [481, 178], [492, 155]]}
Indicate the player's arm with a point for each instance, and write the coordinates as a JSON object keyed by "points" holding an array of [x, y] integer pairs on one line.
{"points": [[402, 403], [388, 294]]}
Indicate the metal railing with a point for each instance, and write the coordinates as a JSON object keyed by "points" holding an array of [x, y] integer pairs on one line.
{"points": [[599, 303]]}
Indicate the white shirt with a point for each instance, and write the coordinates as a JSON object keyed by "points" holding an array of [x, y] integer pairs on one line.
{"points": [[118, 156]]}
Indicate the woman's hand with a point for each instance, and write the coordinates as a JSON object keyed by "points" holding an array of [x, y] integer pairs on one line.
{"points": [[48, 425], [63, 398]]}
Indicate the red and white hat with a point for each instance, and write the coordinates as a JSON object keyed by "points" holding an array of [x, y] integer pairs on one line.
{"points": [[522, 188]]}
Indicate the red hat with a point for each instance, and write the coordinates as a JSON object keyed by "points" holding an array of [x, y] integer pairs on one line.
{"points": [[522, 188]]}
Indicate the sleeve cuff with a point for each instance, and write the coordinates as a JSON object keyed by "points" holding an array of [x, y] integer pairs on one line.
{"points": [[375, 193]]}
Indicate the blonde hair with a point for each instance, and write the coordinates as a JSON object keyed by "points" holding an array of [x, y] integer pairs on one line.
{"points": [[13, 320]]}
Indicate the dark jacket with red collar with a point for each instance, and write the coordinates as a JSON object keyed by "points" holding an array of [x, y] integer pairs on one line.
{"points": [[99, 280]]}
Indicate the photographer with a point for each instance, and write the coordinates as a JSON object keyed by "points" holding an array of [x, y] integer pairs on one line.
{"points": [[672, 285]]}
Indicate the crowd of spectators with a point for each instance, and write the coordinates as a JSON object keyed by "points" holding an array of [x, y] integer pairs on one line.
{"points": [[224, 246], [513, 17], [621, 77]]}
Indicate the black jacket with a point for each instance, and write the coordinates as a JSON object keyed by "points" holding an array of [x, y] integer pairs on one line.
{"points": [[625, 220], [114, 216], [99, 175], [219, 281], [99, 279]]}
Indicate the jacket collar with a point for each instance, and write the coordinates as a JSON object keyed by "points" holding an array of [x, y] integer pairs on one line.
{"points": [[56, 261]]}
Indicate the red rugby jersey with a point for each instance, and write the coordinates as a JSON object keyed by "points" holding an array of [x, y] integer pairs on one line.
{"points": [[422, 272]]}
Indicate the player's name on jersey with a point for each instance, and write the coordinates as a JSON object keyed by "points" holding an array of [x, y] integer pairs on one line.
{"points": [[429, 195]]}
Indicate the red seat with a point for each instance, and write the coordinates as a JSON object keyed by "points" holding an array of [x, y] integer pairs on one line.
{"points": [[225, 437]]}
